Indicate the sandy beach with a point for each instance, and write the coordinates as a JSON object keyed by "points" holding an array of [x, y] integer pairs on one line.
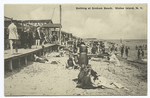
{"points": [[55, 79]]}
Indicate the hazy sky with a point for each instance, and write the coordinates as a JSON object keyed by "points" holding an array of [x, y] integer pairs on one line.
{"points": [[102, 24]]}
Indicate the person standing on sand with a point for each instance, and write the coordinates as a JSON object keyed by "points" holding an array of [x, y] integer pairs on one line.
{"points": [[122, 50], [127, 51], [142, 51], [136, 47], [116, 47], [138, 53]]}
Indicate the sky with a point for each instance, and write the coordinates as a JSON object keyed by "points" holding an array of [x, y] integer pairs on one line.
{"points": [[100, 23]]}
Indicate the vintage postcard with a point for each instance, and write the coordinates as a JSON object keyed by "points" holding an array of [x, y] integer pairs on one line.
{"points": [[75, 49]]}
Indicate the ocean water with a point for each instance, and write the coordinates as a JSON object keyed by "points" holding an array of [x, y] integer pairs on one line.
{"points": [[132, 44]]}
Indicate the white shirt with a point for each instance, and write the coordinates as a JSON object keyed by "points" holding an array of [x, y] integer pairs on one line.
{"points": [[13, 31]]}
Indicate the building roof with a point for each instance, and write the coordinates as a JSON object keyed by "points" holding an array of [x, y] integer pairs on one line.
{"points": [[65, 32], [52, 26], [7, 18], [35, 21]]}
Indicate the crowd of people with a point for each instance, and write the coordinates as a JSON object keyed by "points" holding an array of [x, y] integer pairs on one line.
{"points": [[78, 60], [28, 36], [87, 77], [143, 47]]}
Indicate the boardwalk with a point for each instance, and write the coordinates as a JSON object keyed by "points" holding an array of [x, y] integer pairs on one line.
{"points": [[27, 54]]}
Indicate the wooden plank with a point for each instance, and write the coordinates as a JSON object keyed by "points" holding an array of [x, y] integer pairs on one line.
{"points": [[23, 52]]}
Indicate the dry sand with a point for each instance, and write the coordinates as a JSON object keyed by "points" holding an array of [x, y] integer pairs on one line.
{"points": [[55, 79]]}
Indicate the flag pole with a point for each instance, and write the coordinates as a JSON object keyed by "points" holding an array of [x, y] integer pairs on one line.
{"points": [[60, 24]]}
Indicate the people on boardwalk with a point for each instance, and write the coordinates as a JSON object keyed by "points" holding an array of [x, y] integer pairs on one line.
{"points": [[66, 39], [29, 37], [54, 38], [37, 36], [24, 38], [43, 37], [13, 36], [50, 38]]}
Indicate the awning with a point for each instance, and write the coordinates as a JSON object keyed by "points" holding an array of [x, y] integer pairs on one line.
{"points": [[52, 26]]}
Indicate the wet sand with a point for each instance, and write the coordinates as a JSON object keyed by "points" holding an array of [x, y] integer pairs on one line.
{"points": [[55, 79]]}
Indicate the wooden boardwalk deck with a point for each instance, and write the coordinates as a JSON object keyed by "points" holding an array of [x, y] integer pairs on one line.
{"points": [[22, 51], [27, 54]]}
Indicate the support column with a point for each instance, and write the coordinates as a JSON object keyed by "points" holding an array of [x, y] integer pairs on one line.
{"points": [[49, 50], [39, 53], [10, 65], [26, 61], [19, 64], [31, 57]]}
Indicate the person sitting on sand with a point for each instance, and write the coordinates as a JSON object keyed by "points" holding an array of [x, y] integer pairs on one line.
{"points": [[113, 59], [61, 52], [89, 79], [71, 63], [39, 59], [84, 77]]}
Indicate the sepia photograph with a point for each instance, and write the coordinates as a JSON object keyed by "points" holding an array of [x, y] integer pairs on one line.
{"points": [[81, 49]]}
